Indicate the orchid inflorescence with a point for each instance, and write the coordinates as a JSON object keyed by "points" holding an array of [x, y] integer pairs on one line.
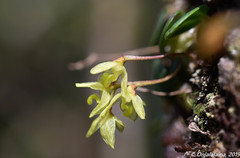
{"points": [[114, 76]]}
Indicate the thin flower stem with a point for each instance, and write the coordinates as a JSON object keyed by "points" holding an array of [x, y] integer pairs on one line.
{"points": [[98, 57], [159, 93], [130, 57], [156, 81]]}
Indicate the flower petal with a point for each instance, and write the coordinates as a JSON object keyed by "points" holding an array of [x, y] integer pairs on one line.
{"points": [[97, 123], [107, 130], [128, 111], [133, 116], [92, 85], [105, 98], [94, 126], [138, 105], [119, 124], [107, 79], [124, 83], [103, 67]]}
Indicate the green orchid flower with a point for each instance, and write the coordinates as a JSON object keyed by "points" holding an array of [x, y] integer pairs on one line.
{"points": [[113, 71], [107, 124], [114, 76], [106, 121], [133, 106], [105, 96]]}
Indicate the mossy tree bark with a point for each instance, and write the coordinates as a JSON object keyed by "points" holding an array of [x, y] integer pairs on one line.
{"points": [[212, 126]]}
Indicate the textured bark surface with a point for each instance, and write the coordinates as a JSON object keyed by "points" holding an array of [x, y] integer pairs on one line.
{"points": [[214, 124], [212, 127]]}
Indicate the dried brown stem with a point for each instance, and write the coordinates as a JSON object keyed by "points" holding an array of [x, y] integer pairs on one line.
{"points": [[94, 57]]}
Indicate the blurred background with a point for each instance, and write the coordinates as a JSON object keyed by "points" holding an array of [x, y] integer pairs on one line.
{"points": [[42, 114]]}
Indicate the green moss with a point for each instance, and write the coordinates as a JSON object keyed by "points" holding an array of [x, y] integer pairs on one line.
{"points": [[200, 123], [198, 109]]}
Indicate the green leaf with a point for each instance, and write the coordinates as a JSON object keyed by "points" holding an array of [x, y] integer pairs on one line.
{"points": [[188, 21], [167, 26], [91, 97], [138, 105], [159, 27], [105, 99], [107, 130], [92, 85], [103, 67]]}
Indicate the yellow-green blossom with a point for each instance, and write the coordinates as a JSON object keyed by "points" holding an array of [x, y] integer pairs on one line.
{"points": [[114, 76], [104, 85], [132, 106], [107, 124], [108, 82]]}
